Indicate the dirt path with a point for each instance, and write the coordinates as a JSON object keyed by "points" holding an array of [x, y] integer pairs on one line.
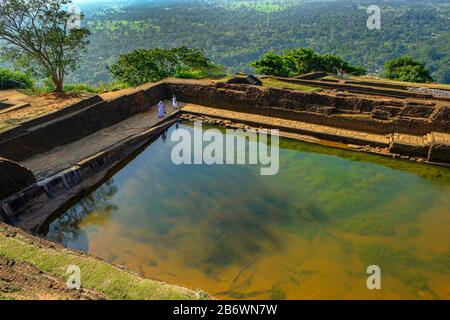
{"points": [[63, 157]]}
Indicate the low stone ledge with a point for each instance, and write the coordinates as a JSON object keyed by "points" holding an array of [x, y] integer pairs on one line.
{"points": [[29, 124], [14, 178], [439, 153], [403, 145], [31, 207]]}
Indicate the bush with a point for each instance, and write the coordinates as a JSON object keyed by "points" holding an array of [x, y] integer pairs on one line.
{"points": [[272, 64], [213, 72], [407, 69], [302, 60], [14, 80], [47, 86], [142, 66]]}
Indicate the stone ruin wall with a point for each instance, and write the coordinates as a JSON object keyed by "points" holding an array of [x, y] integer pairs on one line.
{"points": [[384, 116], [349, 112]]}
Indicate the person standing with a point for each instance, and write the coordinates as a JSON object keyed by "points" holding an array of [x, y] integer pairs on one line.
{"points": [[175, 102], [161, 110]]}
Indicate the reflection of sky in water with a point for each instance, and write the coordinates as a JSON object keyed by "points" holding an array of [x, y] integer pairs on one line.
{"points": [[214, 219]]}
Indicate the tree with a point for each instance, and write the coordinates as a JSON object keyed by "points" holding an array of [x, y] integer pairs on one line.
{"points": [[37, 35], [407, 69], [271, 64], [141, 66], [300, 61]]}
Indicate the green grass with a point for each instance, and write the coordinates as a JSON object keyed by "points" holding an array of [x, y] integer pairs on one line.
{"points": [[97, 275], [77, 88], [274, 83], [9, 123], [201, 74], [2, 297]]}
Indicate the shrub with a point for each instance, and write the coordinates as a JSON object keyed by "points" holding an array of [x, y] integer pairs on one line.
{"points": [[302, 60], [407, 69], [14, 80], [141, 66], [272, 64]]}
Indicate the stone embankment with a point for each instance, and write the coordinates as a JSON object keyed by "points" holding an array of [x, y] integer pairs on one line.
{"points": [[410, 128], [77, 147]]}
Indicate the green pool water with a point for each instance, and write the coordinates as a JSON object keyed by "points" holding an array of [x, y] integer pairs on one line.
{"points": [[309, 232]]}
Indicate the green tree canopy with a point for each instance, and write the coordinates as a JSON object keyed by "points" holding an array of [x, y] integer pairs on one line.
{"points": [[272, 64], [302, 60], [37, 34], [141, 66], [407, 69]]}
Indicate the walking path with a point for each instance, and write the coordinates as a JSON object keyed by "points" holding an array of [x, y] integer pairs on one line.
{"points": [[60, 158], [325, 132], [304, 127]]}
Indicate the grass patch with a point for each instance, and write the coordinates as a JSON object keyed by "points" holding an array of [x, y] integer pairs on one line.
{"points": [[381, 80], [215, 73], [9, 123], [274, 83], [77, 88], [2, 297], [97, 275]]}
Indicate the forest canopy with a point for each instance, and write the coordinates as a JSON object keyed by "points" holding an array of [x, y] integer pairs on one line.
{"points": [[235, 33]]}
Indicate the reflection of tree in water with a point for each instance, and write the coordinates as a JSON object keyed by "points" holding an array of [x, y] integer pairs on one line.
{"points": [[94, 209]]}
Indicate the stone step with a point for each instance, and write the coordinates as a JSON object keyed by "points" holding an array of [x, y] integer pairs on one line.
{"points": [[441, 138], [15, 105], [430, 139], [440, 149]]}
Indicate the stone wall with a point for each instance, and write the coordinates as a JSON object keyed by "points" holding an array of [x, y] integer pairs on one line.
{"points": [[349, 112], [27, 125], [33, 203], [380, 116], [78, 125], [14, 178]]}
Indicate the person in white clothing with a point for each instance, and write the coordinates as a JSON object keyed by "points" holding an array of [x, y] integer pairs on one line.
{"points": [[174, 102], [161, 110]]}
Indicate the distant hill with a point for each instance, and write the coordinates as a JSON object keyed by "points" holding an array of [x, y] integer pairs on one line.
{"points": [[235, 32]]}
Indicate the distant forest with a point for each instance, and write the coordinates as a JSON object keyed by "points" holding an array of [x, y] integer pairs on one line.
{"points": [[235, 32]]}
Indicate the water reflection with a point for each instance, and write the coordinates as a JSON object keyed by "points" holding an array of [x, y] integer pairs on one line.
{"points": [[308, 232], [93, 210]]}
